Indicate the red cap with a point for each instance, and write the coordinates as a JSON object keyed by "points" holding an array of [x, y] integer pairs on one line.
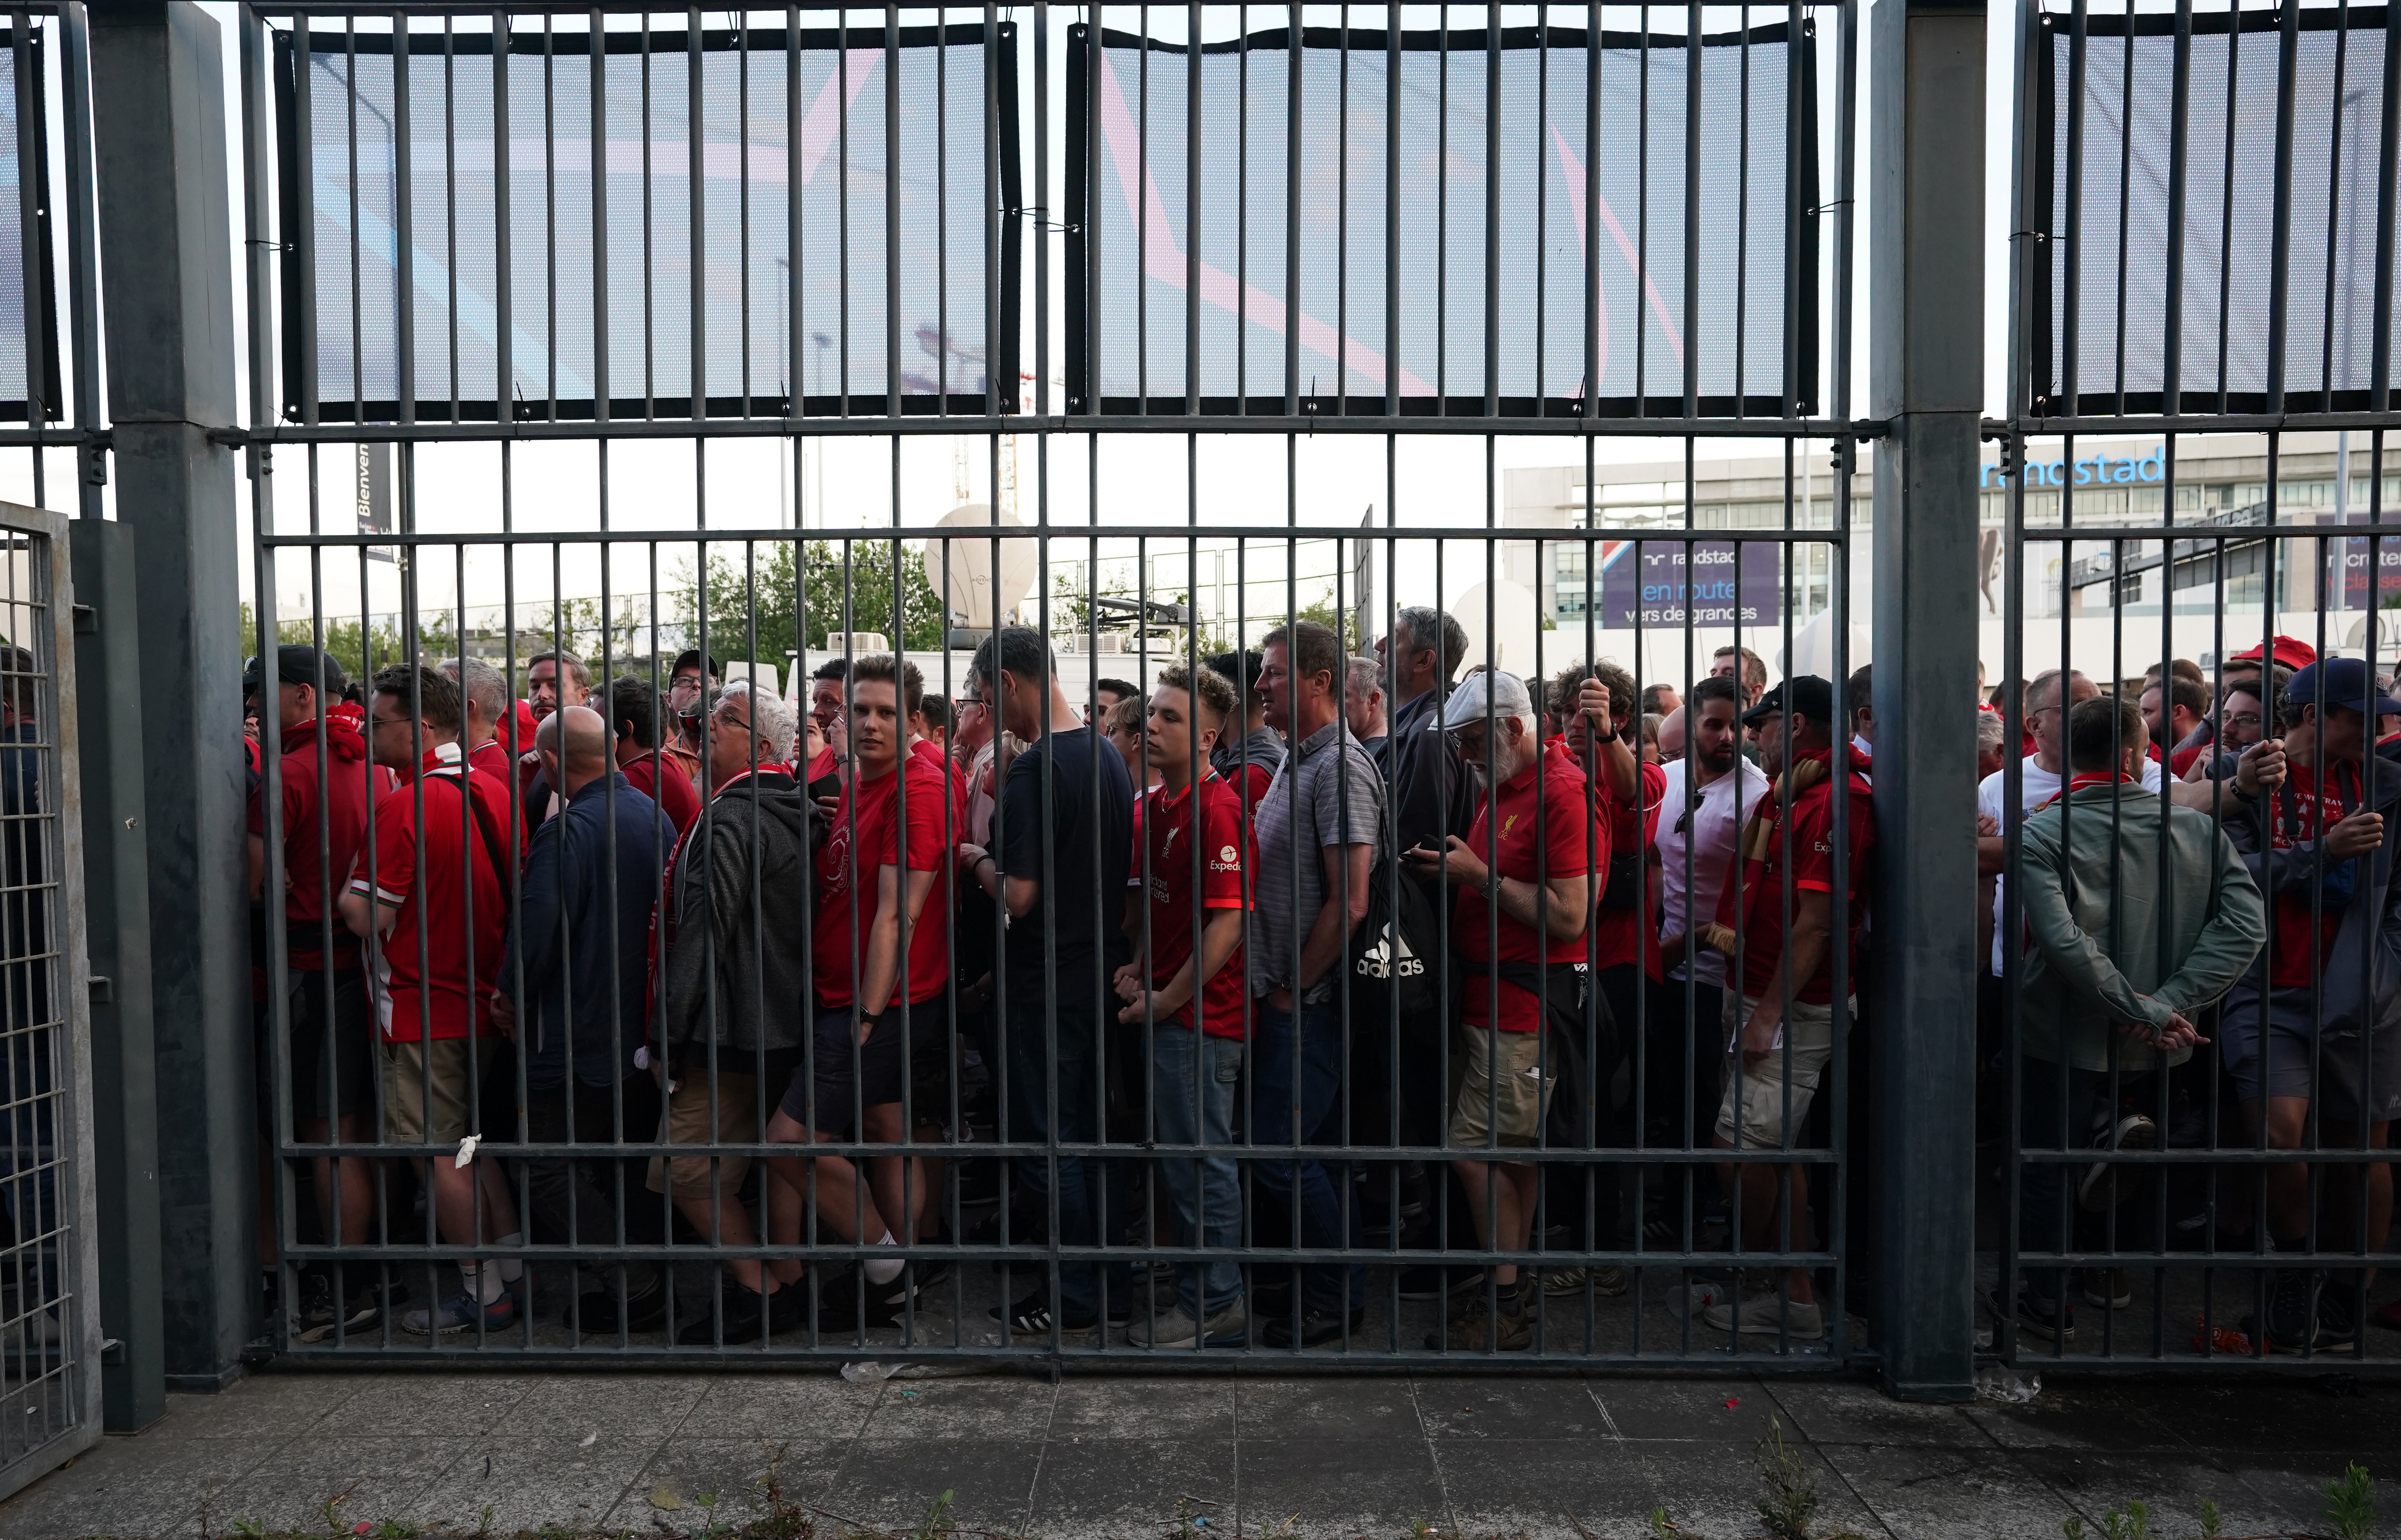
{"points": [[2291, 652]]}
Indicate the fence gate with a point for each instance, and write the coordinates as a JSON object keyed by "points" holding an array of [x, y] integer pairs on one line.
{"points": [[2189, 482], [49, 1304], [717, 355]]}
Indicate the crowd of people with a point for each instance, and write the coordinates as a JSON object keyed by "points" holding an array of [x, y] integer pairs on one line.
{"points": [[1187, 958]]}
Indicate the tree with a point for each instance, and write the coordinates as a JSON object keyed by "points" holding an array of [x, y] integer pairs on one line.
{"points": [[754, 614]]}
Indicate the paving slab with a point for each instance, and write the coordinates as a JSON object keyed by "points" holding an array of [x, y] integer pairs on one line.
{"points": [[1238, 1455]]}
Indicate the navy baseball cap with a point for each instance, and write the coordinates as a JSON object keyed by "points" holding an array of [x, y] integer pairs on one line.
{"points": [[1811, 696], [2341, 681]]}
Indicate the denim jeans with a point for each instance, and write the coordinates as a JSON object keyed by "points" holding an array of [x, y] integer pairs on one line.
{"points": [[2044, 1186], [1194, 1082], [1328, 1288], [1075, 1119]]}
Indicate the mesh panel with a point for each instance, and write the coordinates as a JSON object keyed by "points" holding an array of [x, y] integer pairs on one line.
{"points": [[1135, 102], [644, 276], [2111, 206]]}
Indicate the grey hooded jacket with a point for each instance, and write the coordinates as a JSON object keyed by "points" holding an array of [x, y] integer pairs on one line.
{"points": [[740, 946], [2361, 982], [2114, 938]]}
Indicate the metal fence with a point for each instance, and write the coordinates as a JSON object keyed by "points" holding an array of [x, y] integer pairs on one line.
{"points": [[2193, 468], [521, 389]]}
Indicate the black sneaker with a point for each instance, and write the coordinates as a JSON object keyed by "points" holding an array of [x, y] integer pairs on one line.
{"points": [[739, 1311], [1317, 1327], [2292, 1300], [2046, 1320], [2340, 1308], [2105, 1187], [595, 1312], [1031, 1317]]}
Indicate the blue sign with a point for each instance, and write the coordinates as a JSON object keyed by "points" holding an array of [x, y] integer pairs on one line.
{"points": [[2090, 471], [1655, 588]]}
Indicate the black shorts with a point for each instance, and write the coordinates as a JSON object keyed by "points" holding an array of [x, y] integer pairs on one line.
{"points": [[332, 1069], [933, 1059], [849, 1075]]}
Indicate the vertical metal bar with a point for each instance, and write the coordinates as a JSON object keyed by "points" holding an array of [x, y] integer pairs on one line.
{"points": [[2280, 253], [1490, 367], [1692, 221], [1928, 121], [504, 277], [597, 39], [2380, 386], [1292, 213], [2179, 142], [404, 218], [892, 248]]}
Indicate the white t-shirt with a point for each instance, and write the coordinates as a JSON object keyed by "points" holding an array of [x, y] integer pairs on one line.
{"points": [[1711, 831], [2038, 785]]}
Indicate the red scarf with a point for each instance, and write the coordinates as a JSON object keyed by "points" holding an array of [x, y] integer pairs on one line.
{"points": [[1759, 835], [344, 743], [2102, 777]]}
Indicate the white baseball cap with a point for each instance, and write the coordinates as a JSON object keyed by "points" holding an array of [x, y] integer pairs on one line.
{"points": [[1505, 694]]}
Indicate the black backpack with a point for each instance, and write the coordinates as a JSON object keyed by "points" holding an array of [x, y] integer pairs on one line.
{"points": [[1392, 954]]}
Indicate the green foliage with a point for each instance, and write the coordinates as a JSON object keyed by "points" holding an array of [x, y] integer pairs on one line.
{"points": [[758, 599], [2351, 1503], [1790, 1499], [2209, 1518], [937, 1516], [2134, 1523], [2072, 1527]]}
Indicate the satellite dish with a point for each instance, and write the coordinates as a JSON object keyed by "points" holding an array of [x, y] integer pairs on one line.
{"points": [[1517, 617], [976, 597]]}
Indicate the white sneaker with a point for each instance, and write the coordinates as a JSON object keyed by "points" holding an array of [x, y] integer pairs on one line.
{"points": [[1175, 1329], [1768, 1314]]}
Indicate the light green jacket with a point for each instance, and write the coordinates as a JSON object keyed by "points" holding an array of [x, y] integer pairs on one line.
{"points": [[2113, 941]]}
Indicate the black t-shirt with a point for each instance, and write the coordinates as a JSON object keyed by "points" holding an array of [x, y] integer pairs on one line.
{"points": [[1090, 841]]}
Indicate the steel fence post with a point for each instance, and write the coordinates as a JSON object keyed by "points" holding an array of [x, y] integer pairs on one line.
{"points": [[1927, 203], [167, 263]]}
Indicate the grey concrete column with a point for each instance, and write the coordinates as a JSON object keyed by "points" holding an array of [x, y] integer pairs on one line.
{"points": [[167, 266], [1926, 202]]}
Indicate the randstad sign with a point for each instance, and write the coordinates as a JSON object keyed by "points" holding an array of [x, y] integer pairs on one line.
{"points": [[2090, 471]]}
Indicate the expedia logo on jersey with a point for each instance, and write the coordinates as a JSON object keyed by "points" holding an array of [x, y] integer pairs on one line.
{"points": [[1229, 859], [1376, 961]]}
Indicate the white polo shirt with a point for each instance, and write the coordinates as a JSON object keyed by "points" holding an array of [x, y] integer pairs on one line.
{"points": [[1710, 830]]}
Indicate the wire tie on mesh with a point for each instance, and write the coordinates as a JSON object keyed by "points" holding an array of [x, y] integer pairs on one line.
{"points": [[466, 1151]]}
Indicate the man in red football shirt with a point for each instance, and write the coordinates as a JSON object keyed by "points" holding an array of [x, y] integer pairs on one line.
{"points": [[325, 791], [879, 962], [1523, 880], [634, 722], [1191, 846], [486, 697], [1781, 1035], [431, 896]]}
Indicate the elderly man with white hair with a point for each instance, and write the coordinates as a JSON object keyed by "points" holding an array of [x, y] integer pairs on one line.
{"points": [[733, 929], [1522, 879]]}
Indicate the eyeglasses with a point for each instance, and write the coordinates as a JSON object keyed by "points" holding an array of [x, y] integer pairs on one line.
{"points": [[380, 723]]}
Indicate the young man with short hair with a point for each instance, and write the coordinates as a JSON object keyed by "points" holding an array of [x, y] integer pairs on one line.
{"points": [[824, 768], [1192, 849], [1745, 667], [634, 726], [1112, 693], [1704, 799], [1057, 868], [545, 689], [431, 897], [1777, 1051], [326, 787], [880, 961], [1523, 891]]}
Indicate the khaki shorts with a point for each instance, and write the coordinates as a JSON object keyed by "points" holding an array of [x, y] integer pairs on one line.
{"points": [[687, 1123], [405, 1120], [1809, 1029], [1525, 1090]]}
